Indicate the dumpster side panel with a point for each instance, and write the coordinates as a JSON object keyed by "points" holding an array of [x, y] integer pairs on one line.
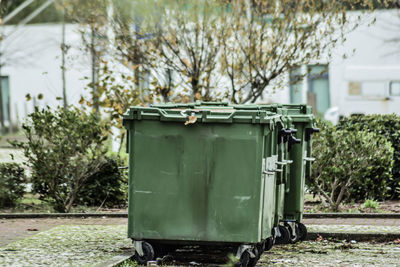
{"points": [[294, 199], [269, 183], [198, 182]]}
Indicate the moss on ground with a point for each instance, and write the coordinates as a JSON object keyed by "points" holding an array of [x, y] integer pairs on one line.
{"points": [[325, 253], [89, 245], [67, 245]]}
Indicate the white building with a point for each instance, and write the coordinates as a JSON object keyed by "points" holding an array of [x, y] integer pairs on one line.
{"points": [[31, 59], [367, 81]]}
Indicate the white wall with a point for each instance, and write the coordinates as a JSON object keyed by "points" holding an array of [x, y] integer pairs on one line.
{"points": [[373, 59], [32, 58]]}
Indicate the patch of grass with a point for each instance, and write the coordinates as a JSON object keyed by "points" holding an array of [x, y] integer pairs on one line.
{"points": [[128, 263], [370, 204], [30, 199]]}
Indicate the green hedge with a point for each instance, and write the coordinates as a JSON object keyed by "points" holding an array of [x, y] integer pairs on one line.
{"points": [[350, 165], [387, 126], [12, 184], [107, 187]]}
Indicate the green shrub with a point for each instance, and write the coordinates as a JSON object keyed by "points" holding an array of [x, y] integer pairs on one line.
{"points": [[12, 184], [107, 187], [386, 126], [350, 165], [64, 148], [370, 204]]}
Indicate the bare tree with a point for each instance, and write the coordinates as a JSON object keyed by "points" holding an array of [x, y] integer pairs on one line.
{"points": [[269, 38], [92, 16]]}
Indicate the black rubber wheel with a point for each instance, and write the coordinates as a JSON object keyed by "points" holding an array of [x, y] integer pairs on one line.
{"points": [[302, 231], [293, 238], [261, 248], [285, 235], [253, 261], [244, 260], [159, 250], [269, 243], [148, 254]]}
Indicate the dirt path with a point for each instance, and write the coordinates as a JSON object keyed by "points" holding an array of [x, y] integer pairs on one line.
{"points": [[15, 229]]}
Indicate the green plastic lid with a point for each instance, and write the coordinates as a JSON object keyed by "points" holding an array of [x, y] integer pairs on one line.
{"points": [[202, 112]]}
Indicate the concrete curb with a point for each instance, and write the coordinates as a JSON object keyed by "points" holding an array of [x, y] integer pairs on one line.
{"points": [[125, 215], [62, 215], [117, 260], [378, 237], [351, 215]]}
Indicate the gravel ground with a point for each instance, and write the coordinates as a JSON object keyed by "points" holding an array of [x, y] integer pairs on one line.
{"points": [[332, 254], [16, 229], [67, 245], [308, 253], [88, 245]]}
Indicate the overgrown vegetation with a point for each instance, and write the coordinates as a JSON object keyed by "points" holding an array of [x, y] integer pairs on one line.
{"points": [[388, 127], [370, 204], [64, 148], [350, 165], [12, 184], [107, 187]]}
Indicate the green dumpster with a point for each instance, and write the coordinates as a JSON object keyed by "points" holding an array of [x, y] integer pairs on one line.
{"points": [[293, 137], [304, 122], [201, 174]]}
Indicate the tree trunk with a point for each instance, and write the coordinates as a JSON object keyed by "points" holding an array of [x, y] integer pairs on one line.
{"points": [[63, 52], [2, 127], [94, 56]]}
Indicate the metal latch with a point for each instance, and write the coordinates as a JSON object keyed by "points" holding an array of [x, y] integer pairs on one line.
{"points": [[284, 162], [309, 159], [269, 172]]}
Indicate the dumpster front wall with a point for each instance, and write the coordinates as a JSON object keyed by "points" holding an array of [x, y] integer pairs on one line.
{"points": [[198, 182]]}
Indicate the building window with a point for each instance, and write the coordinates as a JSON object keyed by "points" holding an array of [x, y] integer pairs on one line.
{"points": [[367, 88], [394, 88], [296, 88], [354, 88], [5, 97], [318, 87]]}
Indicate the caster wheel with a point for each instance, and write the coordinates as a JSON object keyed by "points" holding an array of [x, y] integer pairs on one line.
{"points": [[285, 235], [159, 250], [293, 238], [261, 248], [302, 231], [148, 254], [244, 260], [269, 243], [253, 261]]}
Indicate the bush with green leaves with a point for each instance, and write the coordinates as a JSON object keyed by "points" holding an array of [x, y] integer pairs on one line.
{"points": [[12, 184], [387, 126], [350, 165], [64, 148], [107, 187], [370, 204]]}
